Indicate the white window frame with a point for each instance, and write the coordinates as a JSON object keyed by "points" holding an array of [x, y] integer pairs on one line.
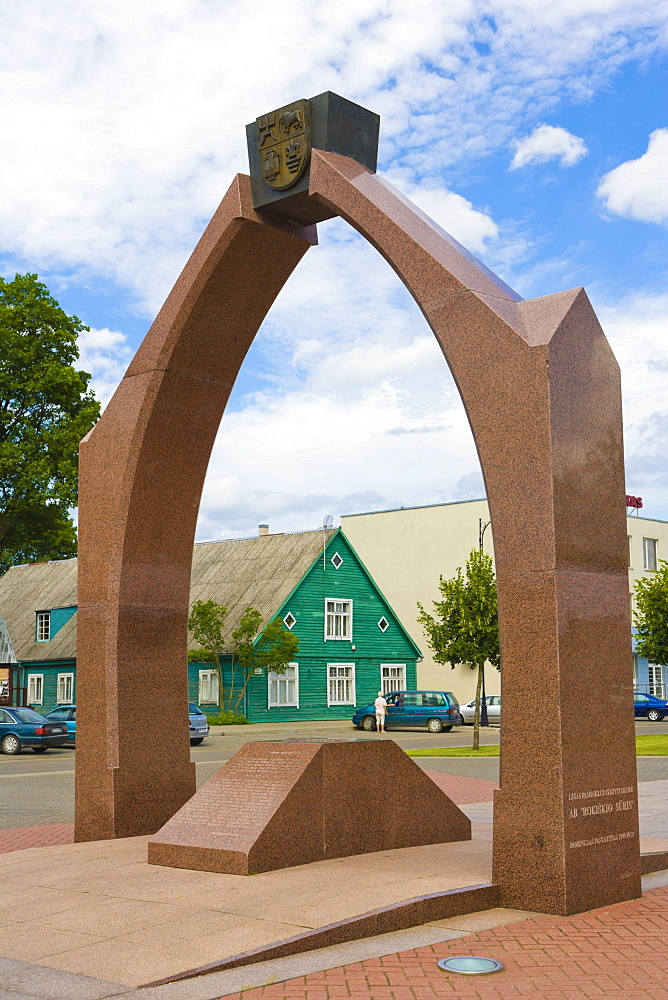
{"points": [[390, 683], [656, 680], [43, 627], [349, 680], [344, 614], [211, 678], [65, 683], [649, 554], [36, 688], [279, 681]]}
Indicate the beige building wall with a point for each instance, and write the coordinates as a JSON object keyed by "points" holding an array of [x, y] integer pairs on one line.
{"points": [[639, 529], [408, 550], [648, 544]]}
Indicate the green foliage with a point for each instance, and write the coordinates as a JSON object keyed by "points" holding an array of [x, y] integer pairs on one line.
{"points": [[272, 651], [488, 751], [228, 718], [207, 624], [45, 410], [465, 628], [651, 616]]}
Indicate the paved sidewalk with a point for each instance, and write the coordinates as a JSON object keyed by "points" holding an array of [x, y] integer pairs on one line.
{"points": [[36, 836], [461, 790], [618, 952]]}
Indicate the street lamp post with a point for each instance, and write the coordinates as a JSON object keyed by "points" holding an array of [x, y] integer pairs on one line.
{"points": [[484, 719]]}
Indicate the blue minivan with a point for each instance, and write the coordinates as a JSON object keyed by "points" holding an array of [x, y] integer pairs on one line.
{"points": [[436, 711]]}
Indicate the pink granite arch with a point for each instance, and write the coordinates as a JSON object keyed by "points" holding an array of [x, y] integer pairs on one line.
{"points": [[542, 392]]}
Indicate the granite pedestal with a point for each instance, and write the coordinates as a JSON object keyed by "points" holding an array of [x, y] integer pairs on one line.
{"points": [[276, 805]]}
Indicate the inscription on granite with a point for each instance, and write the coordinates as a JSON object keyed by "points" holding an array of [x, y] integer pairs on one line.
{"points": [[245, 819]]}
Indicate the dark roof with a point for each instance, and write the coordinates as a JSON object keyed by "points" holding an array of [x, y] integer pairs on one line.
{"points": [[261, 572]]}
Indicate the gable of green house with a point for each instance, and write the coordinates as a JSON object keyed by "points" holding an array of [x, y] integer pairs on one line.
{"points": [[351, 644]]}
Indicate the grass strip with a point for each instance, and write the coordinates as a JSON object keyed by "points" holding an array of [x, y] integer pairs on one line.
{"points": [[455, 752], [646, 746], [652, 746]]}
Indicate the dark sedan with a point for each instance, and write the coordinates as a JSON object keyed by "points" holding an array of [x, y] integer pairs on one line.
{"points": [[648, 706], [21, 727]]}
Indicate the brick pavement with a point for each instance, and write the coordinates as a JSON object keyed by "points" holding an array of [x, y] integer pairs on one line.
{"points": [[618, 952], [36, 836]]}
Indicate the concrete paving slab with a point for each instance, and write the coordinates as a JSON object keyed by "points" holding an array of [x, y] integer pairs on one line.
{"points": [[137, 923], [20, 980], [219, 984]]}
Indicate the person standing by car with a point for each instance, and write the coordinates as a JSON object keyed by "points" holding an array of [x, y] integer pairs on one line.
{"points": [[381, 707]]}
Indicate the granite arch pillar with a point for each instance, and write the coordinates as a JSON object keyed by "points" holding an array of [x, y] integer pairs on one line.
{"points": [[542, 392]]}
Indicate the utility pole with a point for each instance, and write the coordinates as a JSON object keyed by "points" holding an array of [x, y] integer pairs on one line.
{"points": [[484, 719]]}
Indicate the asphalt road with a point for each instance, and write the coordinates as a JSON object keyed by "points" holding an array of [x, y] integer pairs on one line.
{"points": [[39, 789]]}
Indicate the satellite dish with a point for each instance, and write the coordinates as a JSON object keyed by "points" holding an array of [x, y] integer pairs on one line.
{"points": [[328, 521]]}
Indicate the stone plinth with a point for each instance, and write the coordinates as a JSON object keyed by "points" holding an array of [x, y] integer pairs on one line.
{"points": [[275, 805]]}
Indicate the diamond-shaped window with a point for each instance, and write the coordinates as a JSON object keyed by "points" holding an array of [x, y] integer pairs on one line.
{"points": [[289, 620], [336, 560], [383, 624]]}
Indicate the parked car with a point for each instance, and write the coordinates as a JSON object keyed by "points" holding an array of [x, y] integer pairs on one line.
{"points": [[493, 702], [199, 725], [438, 711], [22, 727], [68, 715], [648, 706]]}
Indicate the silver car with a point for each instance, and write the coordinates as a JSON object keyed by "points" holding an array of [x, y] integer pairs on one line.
{"points": [[199, 725], [467, 711]]}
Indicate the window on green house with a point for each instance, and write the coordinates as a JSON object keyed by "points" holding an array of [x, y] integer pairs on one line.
{"points": [[283, 689], [35, 688], [43, 626], [339, 620], [65, 689], [208, 687], [341, 684], [393, 677]]}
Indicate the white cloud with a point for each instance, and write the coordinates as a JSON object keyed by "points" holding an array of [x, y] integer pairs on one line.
{"points": [[122, 125], [105, 355], [636, 329], [360, 410], [637, 189], [549, 142]]}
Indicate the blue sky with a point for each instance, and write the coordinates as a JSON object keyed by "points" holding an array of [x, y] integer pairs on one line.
{"points": [[536, 134]]}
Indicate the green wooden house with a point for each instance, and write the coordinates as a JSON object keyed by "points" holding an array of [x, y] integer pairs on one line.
{"points": [[351, 644]]}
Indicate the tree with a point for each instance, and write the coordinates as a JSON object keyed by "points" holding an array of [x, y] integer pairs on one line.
{"points": [[651, 616], [465, 628], [45, 410], [207, 624], [272, 651]]}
